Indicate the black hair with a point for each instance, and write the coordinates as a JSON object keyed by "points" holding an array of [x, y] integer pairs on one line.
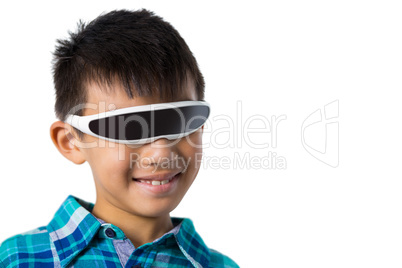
{"points": [[139, 49]]}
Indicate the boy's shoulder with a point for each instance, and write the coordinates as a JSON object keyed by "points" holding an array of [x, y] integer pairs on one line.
{"points": [[190, 241], [32, 244], [55, 244], [220, 260]]}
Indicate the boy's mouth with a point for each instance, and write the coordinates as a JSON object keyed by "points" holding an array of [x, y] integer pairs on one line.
{"points": [[158, 183], [155, 182]]}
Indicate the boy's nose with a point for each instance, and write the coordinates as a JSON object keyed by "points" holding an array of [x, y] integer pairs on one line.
{"points": [[159, 150]]}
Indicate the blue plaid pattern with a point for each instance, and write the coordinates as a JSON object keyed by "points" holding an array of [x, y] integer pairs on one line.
{"points": [[74, 239]]}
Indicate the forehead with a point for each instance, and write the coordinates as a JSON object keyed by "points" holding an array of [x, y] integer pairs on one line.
{"points": [[105, 98]]}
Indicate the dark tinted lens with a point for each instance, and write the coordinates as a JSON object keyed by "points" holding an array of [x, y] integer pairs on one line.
{"points": [[149, 124]]}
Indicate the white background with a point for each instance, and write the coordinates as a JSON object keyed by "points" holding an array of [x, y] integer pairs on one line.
{"points": [[278, 58]]}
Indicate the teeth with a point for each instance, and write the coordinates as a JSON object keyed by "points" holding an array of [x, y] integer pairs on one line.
{"points": [[156, 182]]}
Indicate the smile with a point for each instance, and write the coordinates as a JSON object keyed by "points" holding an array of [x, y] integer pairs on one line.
{"points": [[158, 184]]}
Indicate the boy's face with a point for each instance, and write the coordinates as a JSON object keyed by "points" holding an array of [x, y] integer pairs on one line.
{"points": [[117, 168]]}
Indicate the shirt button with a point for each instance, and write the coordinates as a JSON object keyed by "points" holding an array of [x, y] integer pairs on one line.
{"points": [[110, 233]]}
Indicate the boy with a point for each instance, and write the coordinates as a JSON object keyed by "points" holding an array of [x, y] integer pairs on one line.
{"points": [[129, 95]]}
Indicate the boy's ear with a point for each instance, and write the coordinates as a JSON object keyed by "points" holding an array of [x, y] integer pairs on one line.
{"points": [[63, 139]]}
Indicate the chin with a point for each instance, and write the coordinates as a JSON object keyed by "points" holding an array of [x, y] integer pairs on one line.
{"points": [[154, 208]]}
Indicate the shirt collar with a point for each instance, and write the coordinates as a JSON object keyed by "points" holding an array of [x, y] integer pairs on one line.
{"points": [[192, 245], [73, 227]]}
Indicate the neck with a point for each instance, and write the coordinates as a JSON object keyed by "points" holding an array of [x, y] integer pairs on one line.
{"points": [[139, 229]]}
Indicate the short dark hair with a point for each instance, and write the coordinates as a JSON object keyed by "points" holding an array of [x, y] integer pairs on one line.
{"points": [[139, 49]]}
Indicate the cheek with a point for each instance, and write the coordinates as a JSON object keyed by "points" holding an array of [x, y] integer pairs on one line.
{"points": [[191, 151], [192, 144], [110, 164]]}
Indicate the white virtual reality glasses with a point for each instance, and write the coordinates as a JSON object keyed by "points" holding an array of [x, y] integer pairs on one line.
{"points": [[145, 123]]}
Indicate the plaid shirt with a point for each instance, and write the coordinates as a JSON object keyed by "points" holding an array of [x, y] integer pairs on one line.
{"points": [[75, 238]]}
